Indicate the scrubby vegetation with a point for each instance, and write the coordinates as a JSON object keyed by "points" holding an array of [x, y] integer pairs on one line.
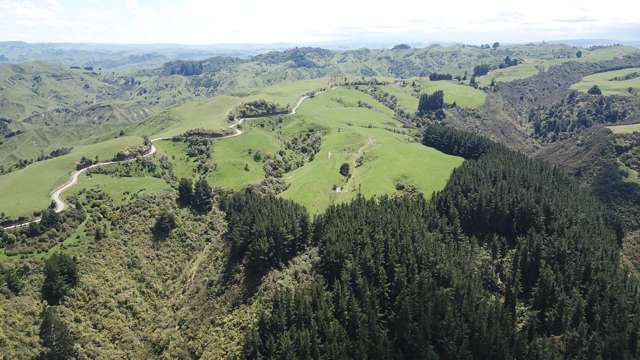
{"points": [[511, 259], [42, 236], [160, 167], [22, 163], [577, 112], [257, 108]]}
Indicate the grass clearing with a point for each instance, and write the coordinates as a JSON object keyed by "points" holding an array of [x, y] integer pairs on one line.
{"points": [[233, 154], [177, 152], [350, 132], [521, 71], [608, 83], [463, 95], [532, 66], [24, 191], [118, 188], [624, 129], [355, 132], [212, 113]]}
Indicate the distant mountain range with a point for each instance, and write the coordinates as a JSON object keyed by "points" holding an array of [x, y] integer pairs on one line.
{"points": [[116, 56], [595, 42]]}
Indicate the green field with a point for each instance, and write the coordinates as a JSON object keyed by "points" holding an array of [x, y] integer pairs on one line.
{"points": [[511, 73], [28, 189], [349, 132], [624, 129], [533, 66], [176, 151], [352, 132], [463, 95], [231, 156], [119, 187], [632, 177], [212, 113], [608, 85]]}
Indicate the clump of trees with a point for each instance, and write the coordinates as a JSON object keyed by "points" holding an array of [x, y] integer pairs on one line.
{"points": [[295, 152], [131, 153], [60, 276], [258, 108], [55, 336], [480, 271], [345, 169], [198, 197], [199, 148], [202, 201], [185, 192], [401, 47], [595, 90], [164, 224], [431, 102], [85, 162], [437, 76], [482, 69], [185, 68], [457, 142], [508, 61], [265, 232]]}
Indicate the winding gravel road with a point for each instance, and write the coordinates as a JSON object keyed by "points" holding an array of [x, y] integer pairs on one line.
{"points": [[57, 193]]}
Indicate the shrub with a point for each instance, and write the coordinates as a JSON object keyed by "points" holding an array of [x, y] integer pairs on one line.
{"points": [[345, 169], [164, 224], [595, 90], [56, 337], [185, 192], [60, 275], [202, 197]]}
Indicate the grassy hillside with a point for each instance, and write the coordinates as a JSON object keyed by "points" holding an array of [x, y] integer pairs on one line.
{"points": [[27, 190], [234, 157], [388, 159], [624, 129], [532, 66], [521, 71], [624, 82], [58, 106], [119, 187], [463, 95], [212, 113]]}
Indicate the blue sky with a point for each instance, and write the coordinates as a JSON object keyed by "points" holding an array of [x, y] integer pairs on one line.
{"points": [[295, 21]]}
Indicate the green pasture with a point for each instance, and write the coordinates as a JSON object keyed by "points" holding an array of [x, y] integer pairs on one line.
{"points": [[608, 83], [624, 129], [27, 190]]}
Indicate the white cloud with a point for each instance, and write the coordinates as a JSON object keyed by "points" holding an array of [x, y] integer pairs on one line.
{"points": [[259, 21]]}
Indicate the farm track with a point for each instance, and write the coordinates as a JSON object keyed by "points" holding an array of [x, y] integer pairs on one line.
{"points": [[73, 180]]}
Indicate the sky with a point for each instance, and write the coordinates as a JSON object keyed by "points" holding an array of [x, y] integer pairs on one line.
{"points": [[205, 22]]}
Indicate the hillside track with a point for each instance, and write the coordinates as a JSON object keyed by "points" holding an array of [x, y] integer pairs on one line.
{"points": [[61, 205]]}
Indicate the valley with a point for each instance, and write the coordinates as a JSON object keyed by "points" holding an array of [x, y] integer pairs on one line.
{"points": [[453, 201]]}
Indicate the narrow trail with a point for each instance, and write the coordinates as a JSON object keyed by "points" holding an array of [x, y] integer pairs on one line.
{"points": [[360, 152], [73, 180]]}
